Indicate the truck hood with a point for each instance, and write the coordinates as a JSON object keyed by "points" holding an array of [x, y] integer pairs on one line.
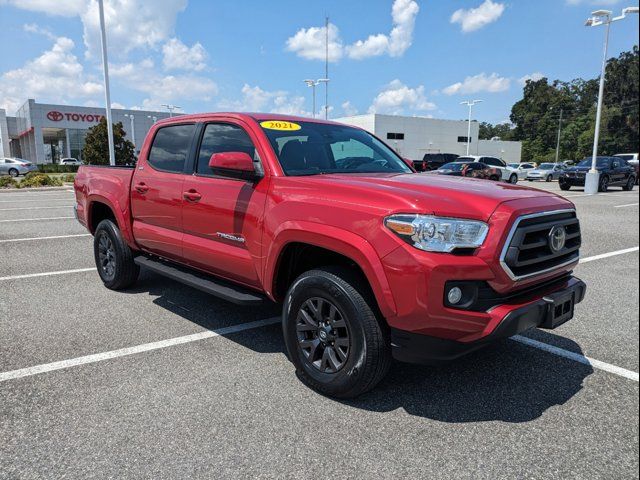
{"points": [[442, 195]]}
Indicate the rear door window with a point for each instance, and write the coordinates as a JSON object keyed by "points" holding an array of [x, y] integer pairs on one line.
{"points": [[170, 148]]}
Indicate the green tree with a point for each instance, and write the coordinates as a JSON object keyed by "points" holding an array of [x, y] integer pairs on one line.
{"points": [[96, 146], [488, 131]]}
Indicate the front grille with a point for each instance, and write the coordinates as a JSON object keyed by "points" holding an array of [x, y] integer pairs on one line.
{"points": [[527, 251]]}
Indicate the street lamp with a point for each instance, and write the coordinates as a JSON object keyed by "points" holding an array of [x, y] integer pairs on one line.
{"points": [[133, 131], [152, 118], [601, 17], [470, 104], [171, 108], [313, 84], [107, 94]]}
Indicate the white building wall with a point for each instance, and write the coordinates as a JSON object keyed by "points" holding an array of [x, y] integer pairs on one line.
{"points": [[4, 135], [429, 135]]}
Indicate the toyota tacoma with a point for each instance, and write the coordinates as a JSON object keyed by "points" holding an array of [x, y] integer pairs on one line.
{"points": [[369, 260]]}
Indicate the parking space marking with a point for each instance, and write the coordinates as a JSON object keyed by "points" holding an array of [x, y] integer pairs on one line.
{"points": [[601, 195], [145, 347], [610, 254], [62, 199], [32, 208], [627, 205], [576, 357], [47, 274], [36, 219], [12, 240]]}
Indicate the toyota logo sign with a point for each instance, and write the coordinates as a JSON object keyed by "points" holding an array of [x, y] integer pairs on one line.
{"points": [[557, 238], [55, 116]]}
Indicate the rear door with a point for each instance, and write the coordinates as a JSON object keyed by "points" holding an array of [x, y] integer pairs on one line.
{"points": [[156, 191], [222, 216]]}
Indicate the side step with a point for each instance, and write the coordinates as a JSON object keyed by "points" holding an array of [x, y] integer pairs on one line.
{"points": [[211, 285]]}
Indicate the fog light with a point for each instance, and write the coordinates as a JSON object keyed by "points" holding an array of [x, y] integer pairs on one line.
{"points": [[454, 295]]}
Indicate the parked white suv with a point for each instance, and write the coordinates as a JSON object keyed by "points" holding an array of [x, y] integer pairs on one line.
{"points": [[70, 161], [508, 174]]}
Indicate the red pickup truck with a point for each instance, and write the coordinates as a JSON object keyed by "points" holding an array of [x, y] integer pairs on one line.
{"points": [[370, 260]]}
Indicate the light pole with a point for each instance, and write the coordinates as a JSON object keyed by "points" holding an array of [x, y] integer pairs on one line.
{"points": [[171, 108], [133, 131], [153, 118], [107, 94], [601, 17], [470, 104], [558, 141], [313, 84]]}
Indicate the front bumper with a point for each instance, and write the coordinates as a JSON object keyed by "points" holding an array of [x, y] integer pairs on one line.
{"points": [[548, 311], [574, 181]]}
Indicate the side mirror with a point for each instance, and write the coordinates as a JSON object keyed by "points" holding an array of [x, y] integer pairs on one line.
{"points": [[234, 165]]}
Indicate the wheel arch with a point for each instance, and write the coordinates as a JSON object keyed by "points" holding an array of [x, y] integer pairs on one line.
{"points": [[100, 208]]}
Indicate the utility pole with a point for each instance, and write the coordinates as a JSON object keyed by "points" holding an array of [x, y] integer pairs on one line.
{"points": [[558, 142], [470, 104], [326, 68], [171, 108], [313, 84], [107, 94]]}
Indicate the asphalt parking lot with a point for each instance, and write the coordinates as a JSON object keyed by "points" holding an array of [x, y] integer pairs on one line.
{"points": [[204, 392]]}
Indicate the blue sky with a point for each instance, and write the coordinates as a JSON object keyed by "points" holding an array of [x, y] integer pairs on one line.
{"points": [[415, 57]]}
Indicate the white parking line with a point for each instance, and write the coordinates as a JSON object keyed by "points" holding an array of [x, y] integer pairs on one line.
{"points": [[576, 357], [62, 199], [145, 347], [35, 219], [46, 274], [32, 208], [627, 205], [12, 240], [603, 195], [607, 255]]}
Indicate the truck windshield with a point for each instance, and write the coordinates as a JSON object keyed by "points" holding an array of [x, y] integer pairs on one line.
{"points": [[308, 148]]}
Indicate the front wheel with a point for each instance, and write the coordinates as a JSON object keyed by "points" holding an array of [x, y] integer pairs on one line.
{"points": [[513, 179], [565, 186], [333, 335], [114, 258], [630, 184], [14, 173], [549, 178]]}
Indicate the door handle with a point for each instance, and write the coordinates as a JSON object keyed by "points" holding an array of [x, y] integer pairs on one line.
{"points": [[192, 195], [142, 187]]}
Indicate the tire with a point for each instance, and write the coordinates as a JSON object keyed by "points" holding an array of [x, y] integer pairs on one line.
{"points": [[114, 258], [629, 185], [14, 173], [363, 347], [513, 179], [494, 178], [565, 186], [603, 186], [549, 178]]}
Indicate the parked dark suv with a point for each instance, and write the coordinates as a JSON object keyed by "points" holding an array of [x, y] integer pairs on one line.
{"points": [[433, 161], [614, 171]]}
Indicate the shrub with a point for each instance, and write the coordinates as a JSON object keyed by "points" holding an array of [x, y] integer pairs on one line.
{"points": [[57, 168], [68, 177], [34, 179], [7, 182]]}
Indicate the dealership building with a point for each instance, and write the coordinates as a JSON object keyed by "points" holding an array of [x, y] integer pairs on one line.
{"points": [[44, 133], [413, 137]]}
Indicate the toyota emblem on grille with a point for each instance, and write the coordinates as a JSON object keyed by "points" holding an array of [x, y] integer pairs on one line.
{"points": [[557, 238], [55, 116]]}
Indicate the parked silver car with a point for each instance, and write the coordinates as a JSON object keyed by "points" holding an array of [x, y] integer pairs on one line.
{"points": [[546, 172], [16, 166]]}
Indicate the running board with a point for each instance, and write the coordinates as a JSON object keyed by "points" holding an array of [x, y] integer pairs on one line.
{"points": [[208, 284]]}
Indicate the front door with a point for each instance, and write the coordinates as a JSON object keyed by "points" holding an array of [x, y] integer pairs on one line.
{"points": [[157, 192], [222, 217]]}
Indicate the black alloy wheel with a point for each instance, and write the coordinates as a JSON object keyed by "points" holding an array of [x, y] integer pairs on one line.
{"points": [[106, 256], [604, 184], [323, 335]]}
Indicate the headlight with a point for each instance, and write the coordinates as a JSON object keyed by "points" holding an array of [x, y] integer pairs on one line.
{"points": [[437, 234]]}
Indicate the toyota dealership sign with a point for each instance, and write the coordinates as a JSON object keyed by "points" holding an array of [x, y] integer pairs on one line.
{"points": [[56, 116]]}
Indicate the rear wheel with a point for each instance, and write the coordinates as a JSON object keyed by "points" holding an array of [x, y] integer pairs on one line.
{"points": [[334, 336], [495, 178], [114, 258], [630, 184], [603, 186], [549, 178], [13, 172]]}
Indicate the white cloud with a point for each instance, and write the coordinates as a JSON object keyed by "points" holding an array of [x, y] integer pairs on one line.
{"points": [[348, 109], [130, 24], [479, 83], [399, 40], [534, 77], [37, 29], [593, 2], [64, 8], [55, 76], [476, 18], [397, 97], [255, 99], [177, 56], [309, 43]]}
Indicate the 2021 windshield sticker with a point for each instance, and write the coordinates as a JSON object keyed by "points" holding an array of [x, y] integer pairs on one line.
{"points": [[280, 125]]}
